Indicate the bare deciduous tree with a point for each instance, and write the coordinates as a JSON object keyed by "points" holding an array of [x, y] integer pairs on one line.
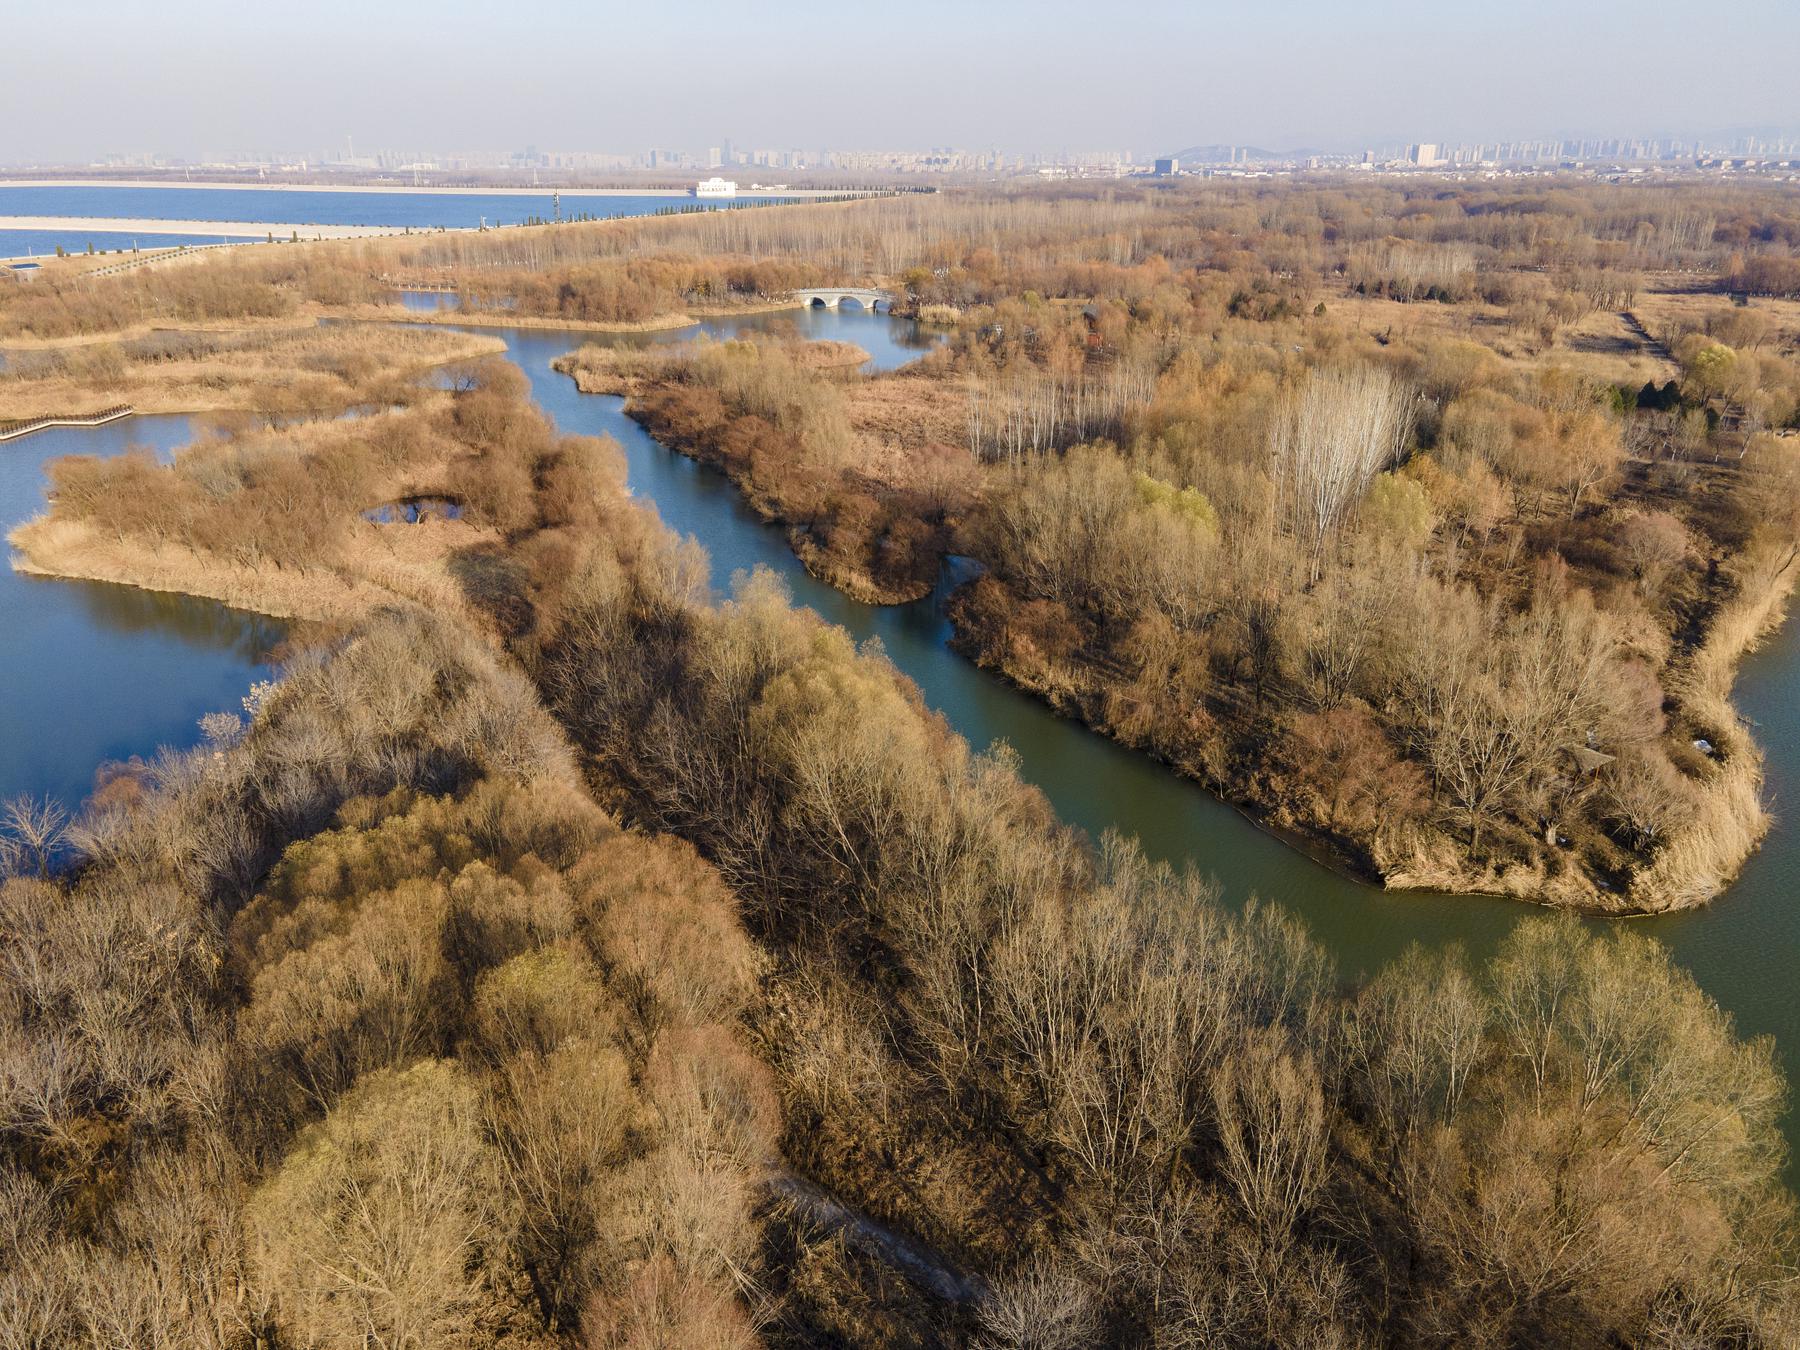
{"points": [[1335, 433], [1042, 1306], [32, 830], [1270, 1113]]}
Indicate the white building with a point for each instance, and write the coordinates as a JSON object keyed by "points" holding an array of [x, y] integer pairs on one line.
{"points": [[715, 187]]}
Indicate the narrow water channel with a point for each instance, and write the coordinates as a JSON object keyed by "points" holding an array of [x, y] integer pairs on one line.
{"points": [[1093, 782], [1744, 948], [90, 672]]}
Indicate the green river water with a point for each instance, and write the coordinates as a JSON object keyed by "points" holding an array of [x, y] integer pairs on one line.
{"points": [[95, 672]]}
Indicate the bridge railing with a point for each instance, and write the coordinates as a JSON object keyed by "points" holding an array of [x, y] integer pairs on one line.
{"points": [[832, 296], [13, 429]]}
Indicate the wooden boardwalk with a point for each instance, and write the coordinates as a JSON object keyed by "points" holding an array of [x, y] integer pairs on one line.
{"points": [[13, 430]]}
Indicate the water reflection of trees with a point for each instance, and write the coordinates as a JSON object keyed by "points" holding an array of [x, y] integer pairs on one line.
{"points": [[200, 623]]}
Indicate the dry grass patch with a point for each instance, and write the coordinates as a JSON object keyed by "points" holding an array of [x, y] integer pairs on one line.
{"points": [[1604, 346], [275, 520], [290, 368], [1678, 307], [379, 570], [868, 474]]}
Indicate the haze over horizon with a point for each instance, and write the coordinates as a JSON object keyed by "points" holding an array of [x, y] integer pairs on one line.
{"points": [[217, 78]]}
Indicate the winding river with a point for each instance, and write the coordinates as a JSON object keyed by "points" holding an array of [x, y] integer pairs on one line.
{"points": [[1743, 949], [93, 672]]}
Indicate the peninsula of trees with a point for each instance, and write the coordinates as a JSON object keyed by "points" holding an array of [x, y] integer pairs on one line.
{"points": [[1429, 529]]}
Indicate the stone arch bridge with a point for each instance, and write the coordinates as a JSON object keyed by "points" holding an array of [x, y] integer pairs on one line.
{"points": [[831, 297]]}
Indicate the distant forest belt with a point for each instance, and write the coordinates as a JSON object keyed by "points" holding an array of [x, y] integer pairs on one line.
{"points": [[243, 229]]}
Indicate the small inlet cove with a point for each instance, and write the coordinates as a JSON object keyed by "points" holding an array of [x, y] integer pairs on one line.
{"points": [[101, 672], [96, 673]]}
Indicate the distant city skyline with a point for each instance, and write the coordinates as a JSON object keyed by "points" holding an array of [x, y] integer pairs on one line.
{"points": [[767, 163], [199, 79]]}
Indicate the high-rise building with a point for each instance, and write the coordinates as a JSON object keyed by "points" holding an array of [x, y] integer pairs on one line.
{"points": [[1168, 168]]}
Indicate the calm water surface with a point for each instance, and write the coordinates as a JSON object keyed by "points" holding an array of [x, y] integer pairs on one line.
{"points": [[91, 672], [294, 206], [298, 206], [890, 342]]}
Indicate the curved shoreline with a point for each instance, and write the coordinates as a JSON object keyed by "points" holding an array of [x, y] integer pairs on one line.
{"points": [[1753, 620], [297, 599], [1692, 868], [343, 589], [1706, 870]]}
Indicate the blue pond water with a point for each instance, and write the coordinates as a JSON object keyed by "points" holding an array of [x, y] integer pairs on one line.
{"points": [[889, 342], [299, 206], [296, 207], [91, 672]]}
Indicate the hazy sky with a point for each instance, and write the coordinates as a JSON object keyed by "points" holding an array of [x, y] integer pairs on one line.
{"points": [[187, 77]]}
